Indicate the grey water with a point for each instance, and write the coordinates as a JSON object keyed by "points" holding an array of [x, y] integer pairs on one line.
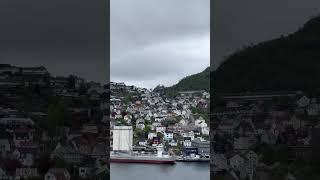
{"points": [[178, 171]]}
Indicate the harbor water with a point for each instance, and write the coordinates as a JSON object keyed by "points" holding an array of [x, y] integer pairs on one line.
{"points": [[177, 171]]}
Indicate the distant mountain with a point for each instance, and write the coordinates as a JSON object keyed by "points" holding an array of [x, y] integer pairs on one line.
{"points": [[287, 63], [199, 81]]}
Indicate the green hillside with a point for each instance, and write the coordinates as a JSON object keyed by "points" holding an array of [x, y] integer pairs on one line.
{"points": [[287, 63], [200, 81]]}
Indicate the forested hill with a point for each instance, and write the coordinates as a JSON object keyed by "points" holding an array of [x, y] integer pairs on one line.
{"points": [[200, 81], [287, 63]]}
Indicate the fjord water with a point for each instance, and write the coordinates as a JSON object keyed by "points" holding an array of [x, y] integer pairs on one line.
{"points": [[178, 171]]}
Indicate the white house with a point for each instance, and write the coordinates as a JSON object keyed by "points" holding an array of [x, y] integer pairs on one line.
{"points": [[148, 117], [160, 129], [168, 136], [200, 122], [205, 131], [187, 141], [151, 135], [118, 116], [177, 112], [183, 122], [159, 119], [143, 142], [188, 134], [156, 124], [140, 125], [173, 143], [127, 118]]}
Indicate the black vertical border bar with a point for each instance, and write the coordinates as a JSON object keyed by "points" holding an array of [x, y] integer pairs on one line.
{"points": [[107, 39], [211, 87], [107, 62]]}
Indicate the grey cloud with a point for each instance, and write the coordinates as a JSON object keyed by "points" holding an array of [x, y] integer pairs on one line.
{"points": [[158, 42]]}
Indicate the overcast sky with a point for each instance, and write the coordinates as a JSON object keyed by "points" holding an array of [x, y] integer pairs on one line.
{"points": [[158, 42]]}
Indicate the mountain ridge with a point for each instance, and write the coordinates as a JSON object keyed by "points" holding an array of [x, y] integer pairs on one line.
{"points": [[286, 63]]}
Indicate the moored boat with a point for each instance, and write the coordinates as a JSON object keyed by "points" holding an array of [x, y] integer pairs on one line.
{"points": [[192, 159], [129, 157]]}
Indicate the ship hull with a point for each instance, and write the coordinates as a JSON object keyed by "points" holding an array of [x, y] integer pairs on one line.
{"points": [[141, 159]]}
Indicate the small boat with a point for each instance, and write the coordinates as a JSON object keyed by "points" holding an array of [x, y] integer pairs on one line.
{"points": [[193, 158]]}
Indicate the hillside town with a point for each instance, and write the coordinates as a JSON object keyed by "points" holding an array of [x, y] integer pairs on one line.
{"points": [[52, 127], [180, 124], [55, 127], [265, 136]]}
